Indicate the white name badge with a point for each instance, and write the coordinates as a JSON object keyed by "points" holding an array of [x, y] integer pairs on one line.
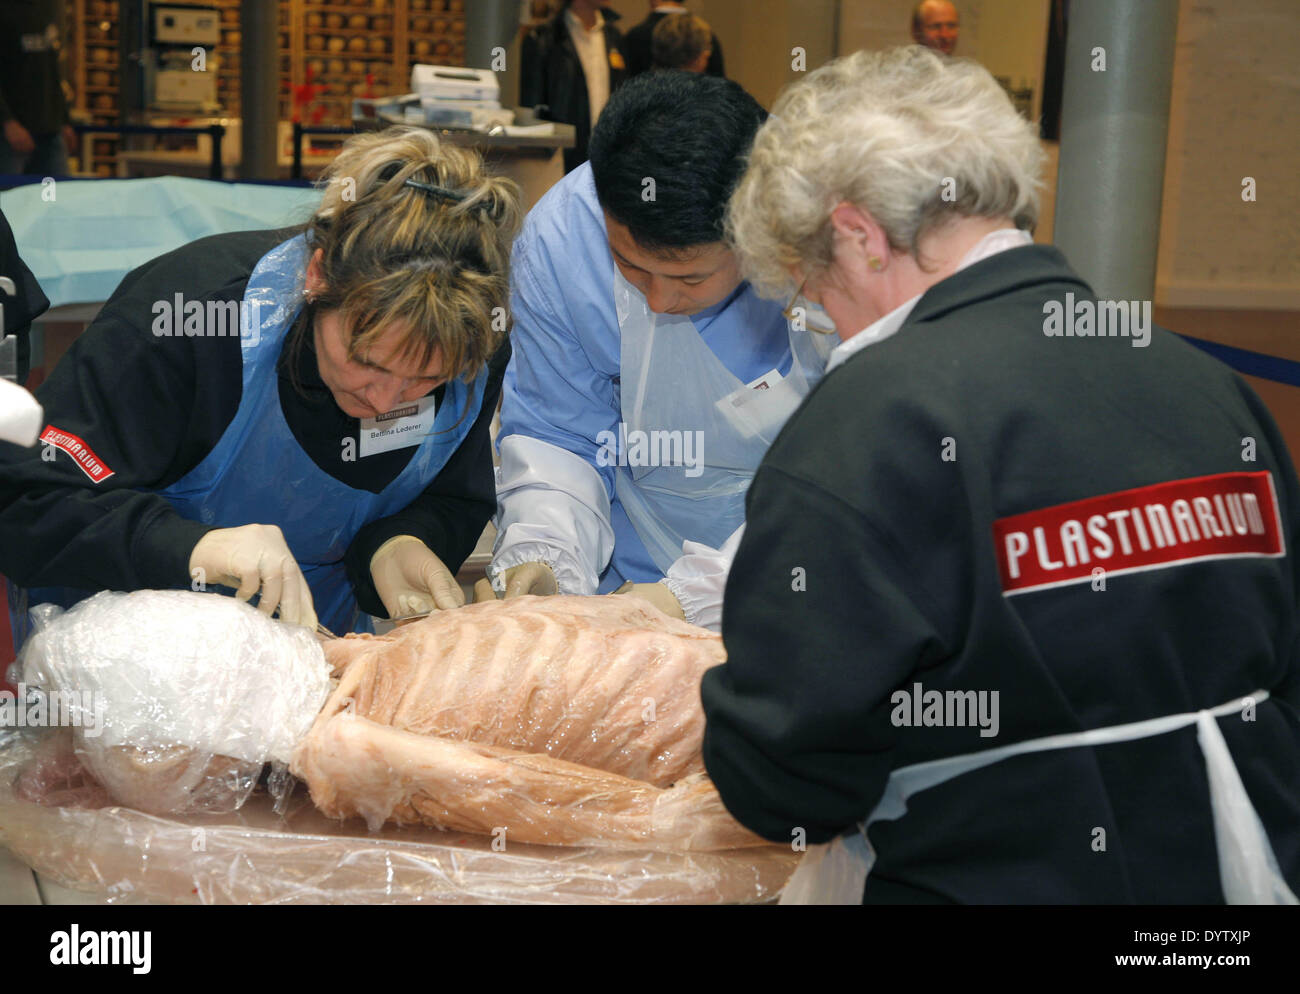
{"points": [[739, 398], [750, 391], [760, 407], [399, 428]]}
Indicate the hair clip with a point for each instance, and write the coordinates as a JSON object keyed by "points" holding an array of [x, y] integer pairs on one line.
{"points": [[436, 191]]}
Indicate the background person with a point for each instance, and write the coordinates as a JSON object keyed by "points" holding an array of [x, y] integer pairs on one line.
{"points": [[191, 456], [569, 67], [35, 136], [639, 40], [630, 316], [936, 24], [682, 42], [948, 430]]}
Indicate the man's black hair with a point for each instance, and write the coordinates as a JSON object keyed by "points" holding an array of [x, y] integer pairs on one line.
{"points": [[690, 133]]}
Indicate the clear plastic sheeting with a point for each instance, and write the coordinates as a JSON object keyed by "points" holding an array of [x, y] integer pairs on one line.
{"points": [[176, 700], [256, 856], [466, 739]]}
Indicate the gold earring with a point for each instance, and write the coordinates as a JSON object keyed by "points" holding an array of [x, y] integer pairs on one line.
{"points": [[874, 263]]}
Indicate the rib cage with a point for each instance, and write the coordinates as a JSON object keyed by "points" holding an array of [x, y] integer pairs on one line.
{"points": [[560, 719]]}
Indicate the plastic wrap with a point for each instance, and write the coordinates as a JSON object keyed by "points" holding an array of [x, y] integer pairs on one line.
{"points": [[303, 857], [176, 699], [654, 841]]}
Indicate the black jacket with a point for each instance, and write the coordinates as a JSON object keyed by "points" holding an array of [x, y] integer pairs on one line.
{"points": [[869, 565], [637, 48], [551, 78], [29, 301], [152, 408]]}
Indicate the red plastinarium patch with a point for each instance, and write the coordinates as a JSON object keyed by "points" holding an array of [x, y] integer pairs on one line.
{"points": [[82, 453], [1225, 516]]}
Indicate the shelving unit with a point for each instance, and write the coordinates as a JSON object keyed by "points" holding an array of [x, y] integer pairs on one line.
{"points": [[330, 52], [93, 67], [366, 48]]}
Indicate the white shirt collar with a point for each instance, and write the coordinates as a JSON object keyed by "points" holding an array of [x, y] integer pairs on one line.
{"points": [[575, 23], [991, 244]]}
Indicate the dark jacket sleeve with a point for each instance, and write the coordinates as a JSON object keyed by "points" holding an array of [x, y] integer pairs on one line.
{"points": [[636, 49], [132, 400], [715, 66], [532, 70], [798, 732], [451, 513], [29, 301]]}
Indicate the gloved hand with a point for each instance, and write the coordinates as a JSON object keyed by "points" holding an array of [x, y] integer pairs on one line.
{"points": [[410, 579], [657, 594], [526, 578], [253, 558]]}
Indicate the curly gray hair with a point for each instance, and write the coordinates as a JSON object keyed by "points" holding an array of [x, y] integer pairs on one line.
{"points": [[910, 136]]}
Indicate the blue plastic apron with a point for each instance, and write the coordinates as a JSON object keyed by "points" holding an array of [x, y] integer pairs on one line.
{"points": [[259, 474]]}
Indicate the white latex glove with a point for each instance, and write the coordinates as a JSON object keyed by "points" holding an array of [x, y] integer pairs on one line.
{"points": [[253, 559], [410, 579], [526, 578], [657, 594]]}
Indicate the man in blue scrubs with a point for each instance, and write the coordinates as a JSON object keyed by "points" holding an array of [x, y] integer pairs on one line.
{"points": [[647, 379]]}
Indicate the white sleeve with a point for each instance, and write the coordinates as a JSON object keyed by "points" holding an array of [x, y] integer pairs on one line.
{"points": [[698, 578], [552, 508]]}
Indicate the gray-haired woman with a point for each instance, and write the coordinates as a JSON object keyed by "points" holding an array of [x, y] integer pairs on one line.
{"points": [[1008, 588]]}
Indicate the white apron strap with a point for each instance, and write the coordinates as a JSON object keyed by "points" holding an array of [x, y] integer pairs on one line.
{"points": [[1248, 870], [1248, 867]]}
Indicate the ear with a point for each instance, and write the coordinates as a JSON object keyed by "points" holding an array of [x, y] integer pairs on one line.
{"points": [[315, 282], [856, 231]]}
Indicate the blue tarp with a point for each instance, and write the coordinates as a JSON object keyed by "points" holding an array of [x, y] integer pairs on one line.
{"points": [[93, 232]]}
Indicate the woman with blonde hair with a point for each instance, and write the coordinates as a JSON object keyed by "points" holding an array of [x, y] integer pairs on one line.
{"points": [[301, 414], [1014, 616]]}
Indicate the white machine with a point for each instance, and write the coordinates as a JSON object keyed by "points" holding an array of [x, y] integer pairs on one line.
{"points": [[456, 83], [172, 81], [174, 25], [183, 88], [457, 97]]}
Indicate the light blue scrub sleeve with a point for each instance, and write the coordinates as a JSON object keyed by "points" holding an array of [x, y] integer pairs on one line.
{"points": [[552, 391]]}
